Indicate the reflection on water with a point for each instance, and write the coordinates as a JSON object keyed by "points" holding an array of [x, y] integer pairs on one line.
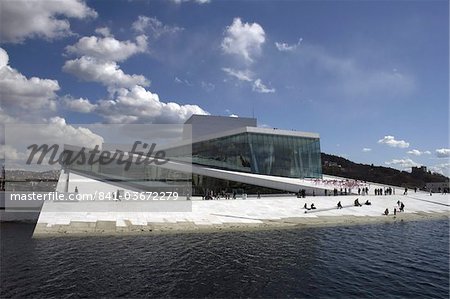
{"points": [[397, 260]]}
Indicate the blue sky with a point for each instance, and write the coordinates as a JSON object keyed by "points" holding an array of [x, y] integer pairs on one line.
{"points": [[371, 77]]}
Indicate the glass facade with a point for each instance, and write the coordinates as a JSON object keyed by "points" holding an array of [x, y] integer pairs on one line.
{"points": [[259, 153], [268, 154]]}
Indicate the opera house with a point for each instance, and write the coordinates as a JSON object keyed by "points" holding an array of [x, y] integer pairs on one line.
{"points": [[216, 154]]}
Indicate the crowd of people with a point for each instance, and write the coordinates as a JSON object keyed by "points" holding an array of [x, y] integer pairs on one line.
{"points": [[364, 191], [211, 195], [356, 203], [386, 191], [342, 184], [400, 206]]}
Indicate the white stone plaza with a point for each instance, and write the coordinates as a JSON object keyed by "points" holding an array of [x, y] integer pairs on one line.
{"points": [[267, 211]]}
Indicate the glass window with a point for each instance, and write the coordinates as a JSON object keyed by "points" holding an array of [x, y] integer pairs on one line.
{"points": [[269, 154]]}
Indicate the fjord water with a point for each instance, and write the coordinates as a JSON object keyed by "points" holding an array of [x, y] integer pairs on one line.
{"points": [[404, 259]]}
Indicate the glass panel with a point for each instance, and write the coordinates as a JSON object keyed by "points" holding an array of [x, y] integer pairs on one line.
{"points": [[270, 154]]}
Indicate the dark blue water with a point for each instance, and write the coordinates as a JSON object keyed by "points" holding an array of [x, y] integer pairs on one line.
{"points": [[398, 260]]}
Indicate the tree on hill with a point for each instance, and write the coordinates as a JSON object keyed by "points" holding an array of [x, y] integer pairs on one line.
{"points": [[338, 166]]}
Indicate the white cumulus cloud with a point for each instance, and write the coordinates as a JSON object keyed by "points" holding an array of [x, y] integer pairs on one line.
{"points": [[416, 152], [243, 39], [103, 31], [106, 72], [19, 93], [128, 100], [79, 105], [366, 149], [138, 105], [53, 130], [390, 141], [33, 100], [4, 58], [9, 153], [107, 47], [46, 19], [59, 130], [443, 152]]}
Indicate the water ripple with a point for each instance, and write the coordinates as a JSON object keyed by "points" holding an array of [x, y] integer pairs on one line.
{"points": [[388, 260]]}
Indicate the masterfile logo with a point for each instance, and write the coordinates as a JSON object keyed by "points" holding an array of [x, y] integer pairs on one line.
{"points": [[98, 167], [97, 156]]}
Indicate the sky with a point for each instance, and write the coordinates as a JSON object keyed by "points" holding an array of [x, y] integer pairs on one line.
{"points": [[371, 77]]}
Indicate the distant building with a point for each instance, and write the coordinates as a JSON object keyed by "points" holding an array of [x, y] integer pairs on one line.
{"points": [[333, 167], [331, 164], [438, 187], [419, 170]]}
